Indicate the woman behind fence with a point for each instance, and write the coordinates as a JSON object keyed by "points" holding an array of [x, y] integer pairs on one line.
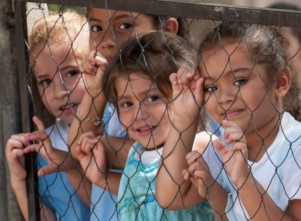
{"points": [[138, 86], [57, 44], [253, 171]]}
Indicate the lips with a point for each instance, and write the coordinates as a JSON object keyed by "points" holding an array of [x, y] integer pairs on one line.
{"points": [[68, 107], [144, 131], [232, 113], [110, 59]]}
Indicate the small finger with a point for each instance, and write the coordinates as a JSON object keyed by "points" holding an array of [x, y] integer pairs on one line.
{"points": [[38, 123]]}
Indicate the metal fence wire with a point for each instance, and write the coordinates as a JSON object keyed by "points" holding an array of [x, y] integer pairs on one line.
{"points": [[157, 110]]}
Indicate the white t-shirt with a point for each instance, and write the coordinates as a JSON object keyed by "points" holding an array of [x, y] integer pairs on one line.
{"points": [[58, 133], [278, 171]]}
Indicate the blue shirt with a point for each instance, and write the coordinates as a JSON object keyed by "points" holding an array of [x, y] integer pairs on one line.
{"points": [[55, 190]]}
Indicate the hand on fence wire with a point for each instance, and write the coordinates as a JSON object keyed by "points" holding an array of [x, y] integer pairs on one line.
{"points": [[39, 141], [187, 87], [93, 67], [235, 157], [91, 154], [187, 96], [15, 157], [198, 173]]}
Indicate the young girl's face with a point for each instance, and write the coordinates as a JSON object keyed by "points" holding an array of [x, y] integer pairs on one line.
{"points": [[109, 29], [142, 111], [236, 89], [59, 81]]}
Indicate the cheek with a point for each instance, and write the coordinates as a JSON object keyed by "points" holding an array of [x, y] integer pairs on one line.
{"points": [[126, 118], [255, 97], [210, 104], [48, 103], [79, 90], [46, 95]]}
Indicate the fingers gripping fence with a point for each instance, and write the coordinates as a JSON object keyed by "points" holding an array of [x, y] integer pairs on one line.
{"points": [[155, 113]]}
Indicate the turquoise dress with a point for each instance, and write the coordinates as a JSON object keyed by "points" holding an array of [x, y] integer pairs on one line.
{"points": [[136, 196]]}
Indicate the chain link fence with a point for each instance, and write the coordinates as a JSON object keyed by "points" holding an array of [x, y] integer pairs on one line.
{"points": [[143, 161]]}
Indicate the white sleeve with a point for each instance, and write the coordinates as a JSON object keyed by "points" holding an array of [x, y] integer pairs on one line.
{"points": [[292, 174]]}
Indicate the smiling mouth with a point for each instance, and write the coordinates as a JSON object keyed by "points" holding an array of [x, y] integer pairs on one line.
{"points": [[145, 130], [68, 107], [232, 113]]}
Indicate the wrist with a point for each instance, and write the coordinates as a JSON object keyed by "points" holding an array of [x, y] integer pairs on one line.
{"points": [[18, 184], [245, 183], [93, 92], [183, 122], [102, 180]]}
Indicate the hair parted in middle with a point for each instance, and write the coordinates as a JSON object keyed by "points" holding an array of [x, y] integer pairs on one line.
{"points": [[264, 44]]}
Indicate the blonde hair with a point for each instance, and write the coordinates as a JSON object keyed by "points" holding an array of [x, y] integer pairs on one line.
{"points": [[57, 29]]}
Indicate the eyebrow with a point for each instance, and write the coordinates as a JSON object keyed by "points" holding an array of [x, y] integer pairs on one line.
{"points": [[52, 75], [143, 94], [231, 72], [117, 17]]}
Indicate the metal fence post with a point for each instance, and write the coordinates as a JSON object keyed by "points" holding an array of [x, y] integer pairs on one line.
{"points": [[10, 119]]}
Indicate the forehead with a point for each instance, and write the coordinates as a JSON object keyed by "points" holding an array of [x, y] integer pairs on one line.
{"points": [[224, 54], [133, 83], [52, 57], [106, 15]]}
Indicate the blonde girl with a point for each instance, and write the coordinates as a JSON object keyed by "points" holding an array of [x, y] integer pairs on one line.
{"points": [[58, 43]]}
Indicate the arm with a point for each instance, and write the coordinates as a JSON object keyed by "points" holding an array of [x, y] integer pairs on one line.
{"points": [[188, 98], [199, 174], [46, 214], [91, 108], [254, 197], [57, 160], [16, 165], [81, 184], [92, 156]]}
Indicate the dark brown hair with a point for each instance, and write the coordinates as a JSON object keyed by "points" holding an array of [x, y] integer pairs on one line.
{"points": [[265, 47], [155, 55]]}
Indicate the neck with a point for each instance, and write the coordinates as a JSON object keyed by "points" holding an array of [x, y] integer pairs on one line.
{"points": [[260, 139]]}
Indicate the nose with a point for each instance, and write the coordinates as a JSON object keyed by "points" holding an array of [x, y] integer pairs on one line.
{"points": [[226, 95], [108, 40], [60, 89], [142, 113]]}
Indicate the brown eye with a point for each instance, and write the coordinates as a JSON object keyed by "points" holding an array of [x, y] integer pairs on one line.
{"points": [[126, 26], [96, 28], [240, 82]]}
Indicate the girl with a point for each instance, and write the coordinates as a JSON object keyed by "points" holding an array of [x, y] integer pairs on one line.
{"points": [[138, 86], [109, 29], [57, 44], [244, 174]]}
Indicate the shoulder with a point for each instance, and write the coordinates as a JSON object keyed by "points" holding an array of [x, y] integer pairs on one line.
{"points": [[202, 140]]}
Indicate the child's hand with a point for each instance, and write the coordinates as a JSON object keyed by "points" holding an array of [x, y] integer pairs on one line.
{"points": [[198, 172], [235, 158], [15, 157], [187, 88], [93, 67], [91, 154], [40, 142]]}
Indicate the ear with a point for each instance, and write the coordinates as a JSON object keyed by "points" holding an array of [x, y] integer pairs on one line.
{"points": [[171, 25], [283, 83]]}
